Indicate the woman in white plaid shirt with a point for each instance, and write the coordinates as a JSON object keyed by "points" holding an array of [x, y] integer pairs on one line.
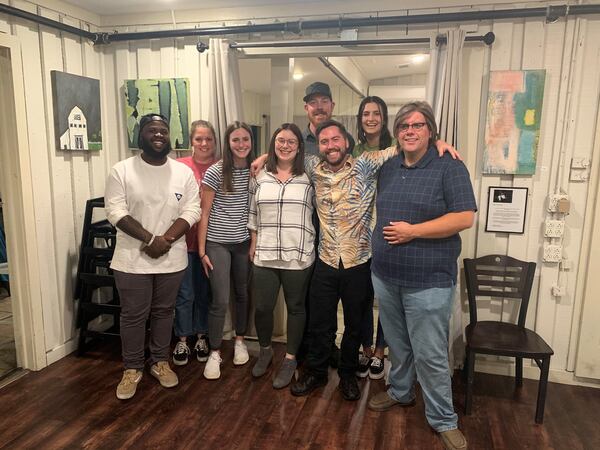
{"points": [[282, 245]]}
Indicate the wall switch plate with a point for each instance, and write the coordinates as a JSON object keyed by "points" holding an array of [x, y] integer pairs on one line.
{"points": [[580, 163], [552, 253], [554, 228]]}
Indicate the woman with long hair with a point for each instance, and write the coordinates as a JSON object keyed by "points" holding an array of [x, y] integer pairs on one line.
{"points": [[224, 242], [282, 248], [191, 307], [373, 134]]}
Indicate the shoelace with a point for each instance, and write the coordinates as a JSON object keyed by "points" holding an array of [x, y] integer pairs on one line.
{"points": [[376, 362], [181, 347], [201, 345], [129, 378]]}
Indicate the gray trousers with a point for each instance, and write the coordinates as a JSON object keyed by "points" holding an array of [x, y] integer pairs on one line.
{"points": [[143, 296], [230, 262], [265, 288]]}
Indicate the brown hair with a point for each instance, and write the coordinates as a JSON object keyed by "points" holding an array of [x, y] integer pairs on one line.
{"points": [[298, 166], [228, 157], [423, 108]]}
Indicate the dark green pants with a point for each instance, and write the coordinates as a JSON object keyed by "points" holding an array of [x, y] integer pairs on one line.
{"points": [[266, 284]]}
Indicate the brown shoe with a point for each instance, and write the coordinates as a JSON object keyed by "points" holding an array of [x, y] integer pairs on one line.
{"points": [[383, 402], [453, 440], [163, 373]]}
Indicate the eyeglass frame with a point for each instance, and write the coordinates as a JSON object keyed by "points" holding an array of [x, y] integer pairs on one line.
{"points": [[415, 126], [288, 142]]}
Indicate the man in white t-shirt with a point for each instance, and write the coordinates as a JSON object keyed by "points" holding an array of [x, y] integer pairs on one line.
{"points": [[153, 201]]}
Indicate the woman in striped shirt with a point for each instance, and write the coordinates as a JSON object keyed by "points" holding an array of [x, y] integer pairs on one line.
{"points": [[282, 248], [224, 242]]}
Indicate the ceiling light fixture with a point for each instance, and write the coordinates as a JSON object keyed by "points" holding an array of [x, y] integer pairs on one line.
{"points": [[298, 76], [418, 59]]}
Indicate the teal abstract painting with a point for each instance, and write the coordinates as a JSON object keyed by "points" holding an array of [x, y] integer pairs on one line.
{"points": [[169, 97], [513, 119]]}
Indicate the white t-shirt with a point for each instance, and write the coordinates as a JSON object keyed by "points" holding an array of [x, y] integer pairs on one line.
{"points": [[155, 196]]}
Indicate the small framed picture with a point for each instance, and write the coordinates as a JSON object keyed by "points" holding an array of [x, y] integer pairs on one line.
{"points": [[506, 209]]}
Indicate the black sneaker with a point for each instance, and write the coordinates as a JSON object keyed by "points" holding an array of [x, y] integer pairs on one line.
{"points": [[201, 349], [376, 367], [181, 353], [363, 366], [349, 388]]}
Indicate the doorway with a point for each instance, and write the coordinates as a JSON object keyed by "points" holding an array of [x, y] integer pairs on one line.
{"points": [[21, 321]]}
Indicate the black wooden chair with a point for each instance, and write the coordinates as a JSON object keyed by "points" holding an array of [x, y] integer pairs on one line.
{"points": [[499, 276]]}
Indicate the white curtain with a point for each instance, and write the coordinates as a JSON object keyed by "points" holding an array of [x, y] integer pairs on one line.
{"points": [[225, 90], [443, 95], [443, 84]]}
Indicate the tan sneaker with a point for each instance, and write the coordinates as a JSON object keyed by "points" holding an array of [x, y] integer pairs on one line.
{"points": [[128, 385], [163, 373], [453, 440]]}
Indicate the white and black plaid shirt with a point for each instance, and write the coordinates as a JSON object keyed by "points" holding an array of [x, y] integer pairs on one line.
{"points": [[281, 214]]}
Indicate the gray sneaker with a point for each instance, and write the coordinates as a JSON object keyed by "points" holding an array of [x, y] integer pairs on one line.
{"points": [[264, 360], [285, 374]]}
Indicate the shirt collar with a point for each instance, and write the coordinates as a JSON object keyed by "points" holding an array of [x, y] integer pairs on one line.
{"points": [[429, 155]]}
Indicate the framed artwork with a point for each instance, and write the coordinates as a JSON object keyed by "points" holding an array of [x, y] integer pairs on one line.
{"points": [[506, 209], [77, 118], [167, 96], [513, 117]]}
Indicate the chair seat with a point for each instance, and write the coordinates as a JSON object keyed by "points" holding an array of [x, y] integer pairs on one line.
{"points": [[501, 338]]}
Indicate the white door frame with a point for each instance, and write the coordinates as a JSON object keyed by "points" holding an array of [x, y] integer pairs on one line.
{"points": [[19, 216]]}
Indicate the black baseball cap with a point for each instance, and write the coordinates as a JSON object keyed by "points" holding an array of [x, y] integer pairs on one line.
{"points": [[145, 120], [317, 87]]}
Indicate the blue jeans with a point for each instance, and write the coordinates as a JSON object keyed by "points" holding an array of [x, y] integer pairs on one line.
{"points": [[191, 306], [416, 322]]}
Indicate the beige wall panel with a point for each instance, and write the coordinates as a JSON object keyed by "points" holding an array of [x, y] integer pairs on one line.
{"points": [[98, 162], [63, 192], [559, 38], [43, 196], [188, 66], [125, 69], [488, 243]]}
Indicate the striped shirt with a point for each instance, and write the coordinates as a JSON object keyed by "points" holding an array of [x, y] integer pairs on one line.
{"points": [[228, 220], [281, 214]]}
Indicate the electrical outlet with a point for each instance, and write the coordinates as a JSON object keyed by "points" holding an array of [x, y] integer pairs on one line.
{"points": [[554, 228], [552, 253], [559, 291], [553, 201]]}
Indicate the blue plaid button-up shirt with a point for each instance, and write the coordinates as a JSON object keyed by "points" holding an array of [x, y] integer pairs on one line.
{"points": [[427, 190]]}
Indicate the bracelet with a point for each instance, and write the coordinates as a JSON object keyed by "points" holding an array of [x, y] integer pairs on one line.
{"points": [[202, 257], [150, 241]]}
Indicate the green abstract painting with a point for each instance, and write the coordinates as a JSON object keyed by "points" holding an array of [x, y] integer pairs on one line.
{"points": [[514, 114], [166, 96]]}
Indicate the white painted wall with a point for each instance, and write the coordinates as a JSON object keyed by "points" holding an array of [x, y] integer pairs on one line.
{"points": [[568, 50]]}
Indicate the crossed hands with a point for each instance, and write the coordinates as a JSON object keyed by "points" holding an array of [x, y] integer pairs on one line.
{"points": [[159, 247]]}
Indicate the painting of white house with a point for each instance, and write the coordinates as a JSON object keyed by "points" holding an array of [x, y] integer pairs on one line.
{"points": [[76, 100]]}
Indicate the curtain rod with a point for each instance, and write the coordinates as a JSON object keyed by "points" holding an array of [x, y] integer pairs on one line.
{"points": [[487, 38], [551, 13]]}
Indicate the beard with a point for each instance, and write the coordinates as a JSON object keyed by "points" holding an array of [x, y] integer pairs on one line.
{"points": [[343, 154], [151, 153]]}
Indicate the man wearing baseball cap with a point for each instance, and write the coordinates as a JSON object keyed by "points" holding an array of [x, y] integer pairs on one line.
{"points": [[152, 200], [318, 105]]}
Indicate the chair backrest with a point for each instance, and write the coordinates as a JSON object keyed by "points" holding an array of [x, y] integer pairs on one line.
{"points": [[499, 276]]}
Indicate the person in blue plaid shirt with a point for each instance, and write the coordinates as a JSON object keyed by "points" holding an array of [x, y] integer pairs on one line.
{"points": [[423, 202]]}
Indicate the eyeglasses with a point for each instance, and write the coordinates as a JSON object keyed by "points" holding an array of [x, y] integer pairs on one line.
{"points": [[289, 142], [403, 127]]}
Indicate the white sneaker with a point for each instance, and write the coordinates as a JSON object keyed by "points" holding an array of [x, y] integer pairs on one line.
{"points": [[240, 353], [212, 370]]}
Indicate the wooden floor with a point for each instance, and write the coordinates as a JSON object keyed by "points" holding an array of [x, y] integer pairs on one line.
{"points": [[72, 404]]}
